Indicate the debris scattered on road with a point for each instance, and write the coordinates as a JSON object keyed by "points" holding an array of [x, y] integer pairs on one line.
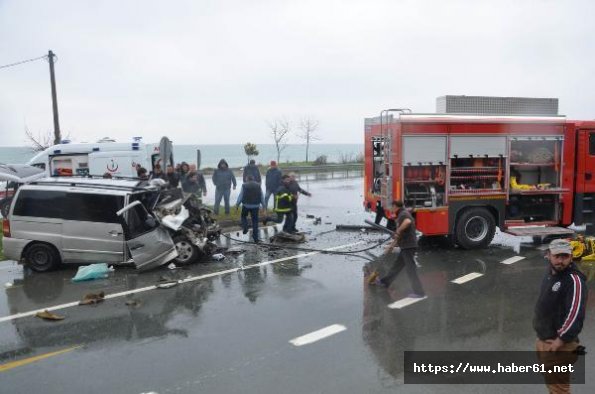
{"points": [[317, 221], [172, 266], [8, 284], [218, 256], [90, 272], [310, 216], [92, 298], [235, 250], [357, 227], [287, 237], [167, 285], [134, 303], [47, 315]]}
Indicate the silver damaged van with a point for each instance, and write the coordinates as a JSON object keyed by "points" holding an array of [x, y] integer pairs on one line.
{"points": [[85, 221]]}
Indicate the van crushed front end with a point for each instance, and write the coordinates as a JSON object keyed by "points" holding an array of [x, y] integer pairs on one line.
{"points": [[190, 224]]}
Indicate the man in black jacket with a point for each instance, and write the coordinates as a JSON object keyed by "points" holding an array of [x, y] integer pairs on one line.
{"points": [[559, 313], [252, 170], [296, 190], [406, 238]]}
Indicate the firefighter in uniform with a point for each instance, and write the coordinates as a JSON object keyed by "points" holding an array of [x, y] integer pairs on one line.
{"points": [[283, 205], [559, 314]]}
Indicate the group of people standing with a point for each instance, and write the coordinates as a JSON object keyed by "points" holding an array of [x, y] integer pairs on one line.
{"points": [[183, 174], [284, 188]]}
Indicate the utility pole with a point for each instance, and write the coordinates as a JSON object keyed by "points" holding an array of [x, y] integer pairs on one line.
{"points": [[57, 134]]}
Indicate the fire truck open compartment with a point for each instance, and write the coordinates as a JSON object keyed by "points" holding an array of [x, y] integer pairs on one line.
{"points": [[465, 175], [535, 179]]}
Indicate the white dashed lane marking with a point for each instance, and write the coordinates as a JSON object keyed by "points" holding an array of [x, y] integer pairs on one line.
{"points": [[403, 302], [318, 335], [512, 260], [467, 278]]}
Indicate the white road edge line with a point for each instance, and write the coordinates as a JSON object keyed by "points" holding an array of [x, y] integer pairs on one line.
{"points": [[318, 335], [403, 302], [512, 260], [190, 279], [467, 278]]}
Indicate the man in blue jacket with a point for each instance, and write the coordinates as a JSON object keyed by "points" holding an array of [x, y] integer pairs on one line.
{"points": [[223, 178], [559, 314], [272, 182], [252, 199]]}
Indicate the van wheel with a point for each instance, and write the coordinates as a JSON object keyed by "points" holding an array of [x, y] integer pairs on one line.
{"points": [[187, 252], [42, 258], [5, 207], [475, 228]]}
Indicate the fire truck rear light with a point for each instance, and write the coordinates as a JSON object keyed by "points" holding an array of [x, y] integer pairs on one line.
{"points": [[6, 228]]}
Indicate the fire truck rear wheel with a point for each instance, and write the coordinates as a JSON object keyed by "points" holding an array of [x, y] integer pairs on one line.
{"points": [[188, 253], [475, 228]]}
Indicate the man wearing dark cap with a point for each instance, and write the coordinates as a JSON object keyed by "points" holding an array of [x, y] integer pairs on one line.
{"points": [[272, 182], [559, 314], [251, 170]]}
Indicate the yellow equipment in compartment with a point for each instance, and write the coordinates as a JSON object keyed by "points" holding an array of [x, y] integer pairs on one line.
{"points": [[583, 248], [520, 186]]}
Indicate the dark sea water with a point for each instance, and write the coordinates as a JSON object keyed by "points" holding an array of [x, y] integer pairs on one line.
{"points": [[234, 154]]}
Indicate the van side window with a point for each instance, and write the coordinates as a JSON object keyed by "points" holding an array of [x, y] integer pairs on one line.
{"points": [[592, 144], [99, 208], [41, 203]]}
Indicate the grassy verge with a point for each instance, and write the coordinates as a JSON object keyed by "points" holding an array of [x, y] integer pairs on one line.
{"points": [[232, 221]]}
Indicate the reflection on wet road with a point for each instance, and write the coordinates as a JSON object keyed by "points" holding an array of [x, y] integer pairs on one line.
{"points": [[228, 327]]}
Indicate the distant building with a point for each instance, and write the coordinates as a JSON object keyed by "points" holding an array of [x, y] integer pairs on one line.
{"points": [[489, 105]]}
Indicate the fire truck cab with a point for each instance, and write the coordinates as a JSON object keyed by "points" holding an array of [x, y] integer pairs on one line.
{"points": [[465, 175]]}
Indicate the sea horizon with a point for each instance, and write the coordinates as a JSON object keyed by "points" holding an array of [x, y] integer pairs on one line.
{"points": [[233, 153]]}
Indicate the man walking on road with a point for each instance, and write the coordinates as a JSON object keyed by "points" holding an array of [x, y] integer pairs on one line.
{"points": [[252, 199], [405, 237], [559, 314]]}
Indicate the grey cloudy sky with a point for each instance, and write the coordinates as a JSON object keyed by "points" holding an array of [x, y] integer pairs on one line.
{"points": [[215, 71]]}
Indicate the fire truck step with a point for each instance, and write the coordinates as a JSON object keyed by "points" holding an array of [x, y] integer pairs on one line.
{"points": [[536, 231]]}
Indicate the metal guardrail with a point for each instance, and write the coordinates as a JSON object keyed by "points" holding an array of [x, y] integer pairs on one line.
{"points": [[334, 167], [322, 168]]}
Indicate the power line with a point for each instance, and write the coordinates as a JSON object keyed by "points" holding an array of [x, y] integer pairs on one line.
{"points": [[24, 61]]}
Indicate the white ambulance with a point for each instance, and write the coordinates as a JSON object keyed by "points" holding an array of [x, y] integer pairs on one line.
{"points": [[119, 159]]}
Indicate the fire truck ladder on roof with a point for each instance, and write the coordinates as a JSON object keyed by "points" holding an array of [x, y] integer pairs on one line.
{"points": [[386, 189]]}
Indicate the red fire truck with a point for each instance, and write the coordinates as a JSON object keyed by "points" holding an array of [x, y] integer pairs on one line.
{"points": [[465, 175]]}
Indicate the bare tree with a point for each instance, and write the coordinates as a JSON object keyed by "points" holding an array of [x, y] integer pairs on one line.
{"points": [[280, 131], [41, 142], [308, 127]]}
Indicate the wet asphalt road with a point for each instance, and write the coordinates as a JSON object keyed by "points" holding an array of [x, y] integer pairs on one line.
{"points": [[229, 332]]}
